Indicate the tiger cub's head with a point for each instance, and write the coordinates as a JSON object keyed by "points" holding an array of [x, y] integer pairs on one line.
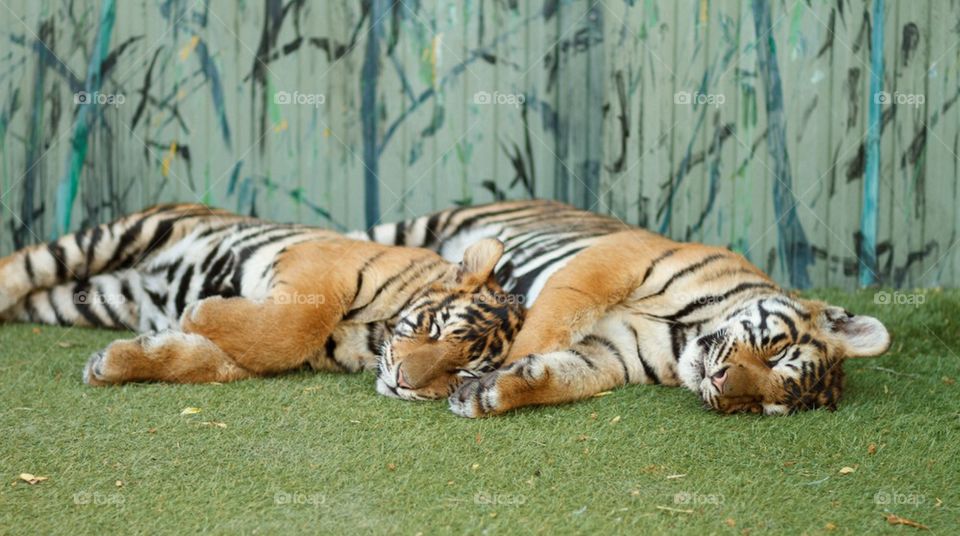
{"points": [[779, 355], [461, 326]]}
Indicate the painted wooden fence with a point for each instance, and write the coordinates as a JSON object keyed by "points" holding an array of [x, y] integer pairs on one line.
{"points": [[817, 137]]}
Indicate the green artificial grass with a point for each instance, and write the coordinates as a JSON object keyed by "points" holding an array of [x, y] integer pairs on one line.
{"points": [[320, 453]]}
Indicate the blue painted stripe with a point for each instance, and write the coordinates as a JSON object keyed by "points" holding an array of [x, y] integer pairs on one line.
{"points": [[871, 179]]}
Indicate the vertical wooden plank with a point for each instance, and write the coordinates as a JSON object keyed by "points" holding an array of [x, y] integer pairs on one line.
{"points": [[848, 48], [755, 223], [656, 117], [620, 112], [579, 57], [714, 221], [908, 58], [941, 218], [541, 140]]}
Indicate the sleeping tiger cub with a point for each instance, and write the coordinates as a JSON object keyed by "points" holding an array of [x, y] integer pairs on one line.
{"points": [[221, 297], [610, 304]]}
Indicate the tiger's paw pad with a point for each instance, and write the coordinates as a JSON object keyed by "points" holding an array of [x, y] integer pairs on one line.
{"points": [[476, 397]]}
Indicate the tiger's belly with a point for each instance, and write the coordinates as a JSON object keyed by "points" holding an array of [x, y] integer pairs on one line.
{"points": [[643, 347]]}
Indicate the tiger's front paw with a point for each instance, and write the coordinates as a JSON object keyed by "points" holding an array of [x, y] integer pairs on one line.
{"points": [[114, 364], [476, 397], [519, 384]]}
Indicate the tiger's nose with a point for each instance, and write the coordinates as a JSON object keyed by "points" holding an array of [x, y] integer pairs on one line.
{"points": [[719, 379], [401, 381]]}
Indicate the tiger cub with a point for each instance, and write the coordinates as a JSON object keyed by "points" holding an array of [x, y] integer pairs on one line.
{"points": [[610, 304], [219, 297]]}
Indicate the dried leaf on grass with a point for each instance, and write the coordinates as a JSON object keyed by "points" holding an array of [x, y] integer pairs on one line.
{"points": [[847, 470], [190, 411], [213, 423], [32, 479], [894, 519]]}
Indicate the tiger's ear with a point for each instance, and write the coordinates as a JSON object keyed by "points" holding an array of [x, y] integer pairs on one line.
{"points": [[860, 335], [478, 263]]}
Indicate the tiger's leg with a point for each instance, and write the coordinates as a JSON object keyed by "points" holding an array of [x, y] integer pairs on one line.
{"points": [[105, 248], [105, 301], [225, 339], [171, 356], [605, 359]]}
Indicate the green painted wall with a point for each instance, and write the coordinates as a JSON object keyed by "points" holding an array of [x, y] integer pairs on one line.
{"points": [[668, 114]]}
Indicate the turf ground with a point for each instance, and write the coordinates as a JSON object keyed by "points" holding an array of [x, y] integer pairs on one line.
{"points": [[320, 453]]}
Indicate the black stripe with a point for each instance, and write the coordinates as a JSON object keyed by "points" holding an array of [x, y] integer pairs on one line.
{"points": [[431, 233], [526, 280], [28, 266], [704, 301], [400, 234], [248, 251], [470, 221], [606, 343], [120, 255], [95, 235], [681, 273], [656, 261], [181, 299], [59, 259], [583, 358], [647, 370], [158, 300], [791, 325], [83, 288], [214, 277]]}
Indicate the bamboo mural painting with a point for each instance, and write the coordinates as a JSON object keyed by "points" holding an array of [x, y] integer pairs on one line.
{"points": [[817, 137]]}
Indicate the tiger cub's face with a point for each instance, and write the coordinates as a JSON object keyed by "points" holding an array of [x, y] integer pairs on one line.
{"points": [[779, 356], [460, 327]]}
